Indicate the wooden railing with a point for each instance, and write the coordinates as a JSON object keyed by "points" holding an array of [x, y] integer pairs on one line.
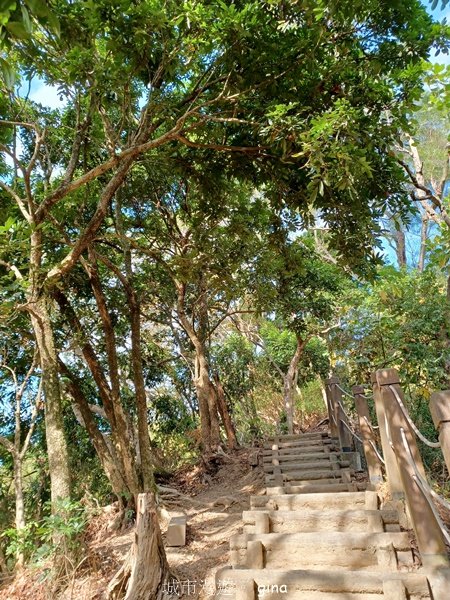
{"points": [[399, 461]]}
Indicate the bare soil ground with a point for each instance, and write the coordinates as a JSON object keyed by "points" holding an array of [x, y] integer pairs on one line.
{"points": [[213, 503]]}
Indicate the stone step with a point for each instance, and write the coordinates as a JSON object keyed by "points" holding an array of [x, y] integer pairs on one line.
{"points": [[298, 444], [322, 456], [309, 449], [265, 584], [308, 466], [296, 436], [309, 475], [314, 500], [289, 521], [315, 487], [330, 550]]}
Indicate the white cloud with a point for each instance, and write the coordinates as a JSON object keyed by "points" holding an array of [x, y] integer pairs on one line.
{"points": [[45, 94]]}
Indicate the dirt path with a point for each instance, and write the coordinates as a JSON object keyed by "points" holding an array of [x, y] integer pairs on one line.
{"points": [[214, 505]]}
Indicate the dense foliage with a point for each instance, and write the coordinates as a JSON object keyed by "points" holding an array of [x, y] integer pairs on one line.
{"points": [[191, 238]]}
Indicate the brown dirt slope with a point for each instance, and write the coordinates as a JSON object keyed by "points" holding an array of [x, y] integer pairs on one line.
{"points": [[213, 503]]}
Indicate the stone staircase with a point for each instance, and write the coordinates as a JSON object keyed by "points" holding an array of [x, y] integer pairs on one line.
{"points": [[317, 534]]}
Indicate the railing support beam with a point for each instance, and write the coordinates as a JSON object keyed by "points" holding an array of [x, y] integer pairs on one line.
{"points": [[332, 413], [345, 437], [392, 472], [368, 437]]}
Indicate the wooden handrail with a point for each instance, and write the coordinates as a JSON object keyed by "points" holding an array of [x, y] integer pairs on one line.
{"points": [[440, 413], [407, 457]]}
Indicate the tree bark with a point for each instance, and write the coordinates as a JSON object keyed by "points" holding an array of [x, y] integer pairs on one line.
{"points": [[148, 480], [209, 422], [106, 453], [423, 242], [225, 413], [58, 457], [20, 506], [206, 394], [400, 246], [289, 384], [145, 572], [120, 428]]}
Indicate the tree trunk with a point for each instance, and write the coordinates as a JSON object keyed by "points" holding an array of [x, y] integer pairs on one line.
{"points": [[423, 242], [206, 396], [145, 572], [58, 458], [207, 404], [20, 506], [120, 424], [400, 244], [106, 453], [225, 413], [145, 450], [120, 428], [289, 385]]}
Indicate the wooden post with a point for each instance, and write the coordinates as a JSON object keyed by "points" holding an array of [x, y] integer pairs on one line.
{"points": [[368, 437], [428, 532], [391, 466], [345, 437], [331, 410], [440, 411]]}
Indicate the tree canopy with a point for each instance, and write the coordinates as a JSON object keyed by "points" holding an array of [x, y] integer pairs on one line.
{"points": [[192, 237]]}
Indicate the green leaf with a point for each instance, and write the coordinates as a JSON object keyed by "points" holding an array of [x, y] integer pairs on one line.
{"points": [[17, 29], [54, 24], [26, 20], [6, 6], [9, 74], [38, 8]]}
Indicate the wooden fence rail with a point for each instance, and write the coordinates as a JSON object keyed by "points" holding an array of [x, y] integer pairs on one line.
{"points": [[401, 461]]}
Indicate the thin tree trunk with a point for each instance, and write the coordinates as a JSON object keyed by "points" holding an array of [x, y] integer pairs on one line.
{"points": [[225, 413], [400, 244], [423, 242], [122, 425], [120, 428], [20, 506], [141, 397], [58, 457], [206, 393], [145, 450], [107, 456], [200, 377], [289, 385]]}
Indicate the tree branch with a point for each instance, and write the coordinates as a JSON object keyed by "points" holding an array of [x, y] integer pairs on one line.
{"points": [[18, 200]]}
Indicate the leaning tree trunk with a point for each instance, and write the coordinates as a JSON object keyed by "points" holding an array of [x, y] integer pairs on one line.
{"points": [[225, 413], [145, 572]]}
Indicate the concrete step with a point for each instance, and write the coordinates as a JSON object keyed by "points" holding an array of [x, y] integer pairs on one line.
{"points": [[325, 486], [308, 466], [290, 521], [309, 475], [265, 584], [309, 449], [298, 444], [304, 457], [314, 500], [329, 550], [298, 436]]}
